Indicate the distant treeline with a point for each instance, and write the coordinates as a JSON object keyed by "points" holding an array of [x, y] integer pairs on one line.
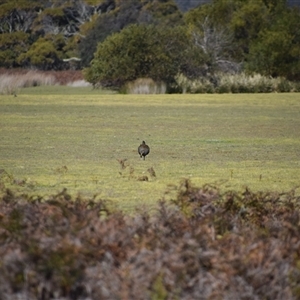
{"points": [[216, 36]]}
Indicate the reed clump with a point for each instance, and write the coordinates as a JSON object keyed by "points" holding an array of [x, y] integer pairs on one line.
{"points": [[236, 83], [145, 86], [10, 84]]}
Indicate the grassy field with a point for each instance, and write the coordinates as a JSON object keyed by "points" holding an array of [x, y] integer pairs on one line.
{"points": [[73, 137]]}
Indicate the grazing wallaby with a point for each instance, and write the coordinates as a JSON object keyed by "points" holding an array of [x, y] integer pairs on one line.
{"points": [[143, 150]]}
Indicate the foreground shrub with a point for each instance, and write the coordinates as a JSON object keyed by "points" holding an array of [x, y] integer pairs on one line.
{"points": [[204, 245]]}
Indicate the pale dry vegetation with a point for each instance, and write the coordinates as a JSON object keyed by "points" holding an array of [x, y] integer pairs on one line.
{"points": [[11, 81], [10, 84], [236, 83], [145, 86]]}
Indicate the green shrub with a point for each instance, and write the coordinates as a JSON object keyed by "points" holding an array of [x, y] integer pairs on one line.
{"points": [[138, 51]]}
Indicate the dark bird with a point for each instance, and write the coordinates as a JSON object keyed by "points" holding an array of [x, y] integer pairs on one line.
{"points": [[143, 150]]}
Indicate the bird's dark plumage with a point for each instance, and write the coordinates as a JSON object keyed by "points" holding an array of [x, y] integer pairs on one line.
{"points": [[143, 150]]}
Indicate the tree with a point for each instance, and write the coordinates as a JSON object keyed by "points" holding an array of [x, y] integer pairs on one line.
{"points": [[276, 51], [214, 46], [17, 16], [43, 54], [120, 14], [83, 23], [264, 35], [217, 47], [186, 5], [40, 18], [240, 19], [138, 51], [12, 45], [247, 21]]}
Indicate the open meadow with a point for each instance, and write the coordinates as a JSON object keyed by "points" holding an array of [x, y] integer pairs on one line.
{"points": [[86, 141], [214, 239]]}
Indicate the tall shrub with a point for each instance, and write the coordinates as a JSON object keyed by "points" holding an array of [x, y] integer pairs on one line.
{"points": [[138, 51]]}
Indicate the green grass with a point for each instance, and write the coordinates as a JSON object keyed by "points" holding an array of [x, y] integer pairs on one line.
{"points": [[72, 137]]}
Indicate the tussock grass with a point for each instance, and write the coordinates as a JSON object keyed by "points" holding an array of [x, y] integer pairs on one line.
{"points": [[12, 81], [75, 138], [11, 84], [236, 83], [145, 86], [79, 83]]}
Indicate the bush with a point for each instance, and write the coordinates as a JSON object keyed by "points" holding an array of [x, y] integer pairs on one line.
{"points": [[145, 86], [204, 244], [236, 83], [201, 85], [138, 51]]}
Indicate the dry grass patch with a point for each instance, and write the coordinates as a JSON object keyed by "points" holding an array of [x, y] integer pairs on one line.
{"points": [[145, 86], [12, 81], [236, 83], [11, 84]]}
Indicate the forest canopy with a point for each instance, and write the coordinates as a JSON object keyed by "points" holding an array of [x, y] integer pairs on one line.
{"points": [[260, 36]]}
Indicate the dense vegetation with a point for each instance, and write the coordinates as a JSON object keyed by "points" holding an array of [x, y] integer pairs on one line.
{"points": [[205, 245], [260, 36], [139, 51]]}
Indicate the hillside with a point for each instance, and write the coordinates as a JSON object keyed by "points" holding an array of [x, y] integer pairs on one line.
{"points": [[56, 29]]}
